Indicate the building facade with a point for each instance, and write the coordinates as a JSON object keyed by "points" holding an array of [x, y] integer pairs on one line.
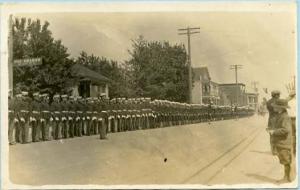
{"points": [[204, 90], [233, 94], [252, 100]]}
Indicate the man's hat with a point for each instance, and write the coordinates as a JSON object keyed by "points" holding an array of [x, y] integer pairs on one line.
{"points": [[19, 95], [281, 103], [275, 92], [24, 93], [64, 96], [56, 96]]}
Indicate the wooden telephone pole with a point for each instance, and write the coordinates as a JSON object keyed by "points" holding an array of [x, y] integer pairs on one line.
{"points": [[236, 67], [189, 31]]}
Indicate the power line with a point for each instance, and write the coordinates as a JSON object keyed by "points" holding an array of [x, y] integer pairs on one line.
{"points": [[189, 31]]}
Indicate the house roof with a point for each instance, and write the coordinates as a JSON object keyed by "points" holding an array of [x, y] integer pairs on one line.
{"points": [[201, 72], [85, 73]]}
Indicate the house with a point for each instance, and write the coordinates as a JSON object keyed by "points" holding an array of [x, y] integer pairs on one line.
{"points": [[252, 100], [204, 89], [88, 82], [234, 93]]}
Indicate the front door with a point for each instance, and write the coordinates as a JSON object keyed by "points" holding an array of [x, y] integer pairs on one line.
{"points": [[84, 89]]}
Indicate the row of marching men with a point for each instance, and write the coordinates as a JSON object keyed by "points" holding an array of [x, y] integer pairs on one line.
{"points": [[34, 119]]}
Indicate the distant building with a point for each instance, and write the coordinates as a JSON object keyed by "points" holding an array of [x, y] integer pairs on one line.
{"points": [[197, 88], [233, 93], [89, 83], [204, 90], [252, 100]]}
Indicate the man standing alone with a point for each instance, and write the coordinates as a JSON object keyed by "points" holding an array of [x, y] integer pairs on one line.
{"points": [[282, 137], [272, 116]]}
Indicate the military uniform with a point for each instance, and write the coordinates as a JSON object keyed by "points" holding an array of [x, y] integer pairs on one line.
{"points": [[12, 121], [64, 116], [35, 116], [23, 108], [56, 110], [71, 116], [272, 118], [45, 118]]}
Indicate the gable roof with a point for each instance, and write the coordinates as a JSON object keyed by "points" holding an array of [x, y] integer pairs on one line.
{"points": [[85, 73], [201, 72]]}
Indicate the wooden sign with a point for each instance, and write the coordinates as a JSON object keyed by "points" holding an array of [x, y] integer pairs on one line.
{"points": [[28, 62]]}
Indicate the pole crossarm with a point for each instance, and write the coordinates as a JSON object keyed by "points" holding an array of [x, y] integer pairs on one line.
{"points": [[188, 28]]}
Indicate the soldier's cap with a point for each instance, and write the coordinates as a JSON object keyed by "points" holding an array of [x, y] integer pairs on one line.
{"points": [[72, 97], [78, 97], [56, 96], [24, 93], [64, 96], [280, 103], [18, 95], [275, 92], [36, 94]]}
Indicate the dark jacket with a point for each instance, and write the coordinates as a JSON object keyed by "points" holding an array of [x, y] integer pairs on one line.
{"points": [[282, 131], [272, 114]]}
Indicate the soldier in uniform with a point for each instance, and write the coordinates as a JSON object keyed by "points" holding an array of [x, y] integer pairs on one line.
{"points": [[17, 115], [282, 136], [56, 110], [79, 105], [103, 129], [272, 116], [94, 120], [12, 120], [35, 117], [45, 117], [64, 116], [23, 113], [71, 116]]}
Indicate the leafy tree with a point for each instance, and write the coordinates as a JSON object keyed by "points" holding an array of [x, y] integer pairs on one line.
{"points": [[159, 70], [31, 39]]}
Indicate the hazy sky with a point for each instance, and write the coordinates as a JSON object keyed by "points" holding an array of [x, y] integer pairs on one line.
{"points": [[263, 42]]}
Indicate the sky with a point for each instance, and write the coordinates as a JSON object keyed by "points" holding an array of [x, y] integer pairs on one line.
{"points": [[264, 42]]}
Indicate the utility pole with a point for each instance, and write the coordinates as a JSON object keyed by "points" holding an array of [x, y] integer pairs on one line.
{"points": [[10, 54], [189, 31], [236, 67]]}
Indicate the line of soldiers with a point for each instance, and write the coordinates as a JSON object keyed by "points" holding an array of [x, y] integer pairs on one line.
{"points": [[36, 119]]}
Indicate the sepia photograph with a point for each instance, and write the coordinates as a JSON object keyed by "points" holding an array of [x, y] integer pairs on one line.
{"points": [[149, 95]]}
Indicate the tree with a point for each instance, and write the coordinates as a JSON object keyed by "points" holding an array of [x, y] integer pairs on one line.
{"points": [[111, 69], [31, 40], [159, 70]]}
